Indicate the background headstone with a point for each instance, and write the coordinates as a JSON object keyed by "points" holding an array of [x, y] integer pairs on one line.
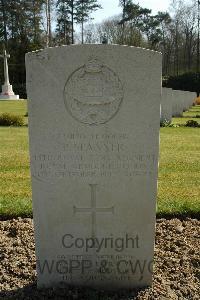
{"points": [[177, 103], [188, 97], [193, 97], [186, 104], [166, 104], [94, 116]]}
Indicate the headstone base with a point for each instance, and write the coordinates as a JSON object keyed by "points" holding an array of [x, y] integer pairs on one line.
{"points": [[7, 93], [8, 97]]}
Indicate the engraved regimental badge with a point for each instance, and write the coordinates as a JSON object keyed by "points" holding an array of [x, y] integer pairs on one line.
{"points": [[93, 93]]}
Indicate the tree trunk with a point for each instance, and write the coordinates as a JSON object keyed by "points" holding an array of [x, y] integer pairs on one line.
{"points": [[72, 20], [198, 37], [34, 21], [4, 22], [176, 58], [123, 23], [48, 17], [82, 41]]}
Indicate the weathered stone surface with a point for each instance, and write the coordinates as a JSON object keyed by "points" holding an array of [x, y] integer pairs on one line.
{"points": [[94, 115]]}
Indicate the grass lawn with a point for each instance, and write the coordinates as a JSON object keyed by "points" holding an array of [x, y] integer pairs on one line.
{"points": [[15, 188], [17, 107], [178, 188], [193, 112], [178, 184], [188, 115]]}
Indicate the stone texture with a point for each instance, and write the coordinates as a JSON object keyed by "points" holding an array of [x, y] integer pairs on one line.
{"points": [[94, 115], [177, 103], [192, 98], [183, 100], [187, 96], [186, 104], [166, 104]]}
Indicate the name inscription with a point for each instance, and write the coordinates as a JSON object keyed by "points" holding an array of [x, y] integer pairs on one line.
{"points": [[86, 156]]}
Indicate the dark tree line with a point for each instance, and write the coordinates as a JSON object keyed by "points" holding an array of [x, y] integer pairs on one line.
{"points": [[20, 32], [27, 25], [34, 24], [69, 13]]}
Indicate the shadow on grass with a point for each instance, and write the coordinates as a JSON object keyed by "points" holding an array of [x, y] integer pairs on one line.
{"points": [[178, 215], [70, 293], [189, 116], [9, 217]]}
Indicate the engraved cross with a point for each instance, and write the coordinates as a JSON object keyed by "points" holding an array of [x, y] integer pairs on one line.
{"points": [[93, 209]]}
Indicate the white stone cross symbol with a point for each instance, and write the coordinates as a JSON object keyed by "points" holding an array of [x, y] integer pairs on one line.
{"points": [[93, 209], [7, 91], [5, 56]]}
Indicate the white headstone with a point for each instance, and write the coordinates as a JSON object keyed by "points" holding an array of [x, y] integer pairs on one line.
{"points": [[193, 97], [166, 104], [188, 99], [94, 116], [7, 91], [186, 104], [177, 104]]}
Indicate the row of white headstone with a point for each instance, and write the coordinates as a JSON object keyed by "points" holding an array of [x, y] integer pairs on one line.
{"points": [[175, 102]]}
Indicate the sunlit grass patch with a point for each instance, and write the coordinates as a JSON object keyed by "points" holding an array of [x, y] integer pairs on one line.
{"points": [[179, 168]]}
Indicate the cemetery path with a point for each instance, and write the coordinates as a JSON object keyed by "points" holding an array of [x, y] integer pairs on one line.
{"points": [[176, 271]]}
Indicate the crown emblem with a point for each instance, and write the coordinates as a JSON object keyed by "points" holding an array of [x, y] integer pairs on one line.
{"points": [[93, 93], [93, 66]]}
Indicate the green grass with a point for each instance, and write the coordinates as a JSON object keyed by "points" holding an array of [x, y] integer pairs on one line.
{"points": [[178, 188], [15, 188], [178, 185], [17, 107], [188, 115]]}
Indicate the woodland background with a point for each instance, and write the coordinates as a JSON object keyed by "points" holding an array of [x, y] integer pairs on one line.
{"points": [[35, 24]]}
